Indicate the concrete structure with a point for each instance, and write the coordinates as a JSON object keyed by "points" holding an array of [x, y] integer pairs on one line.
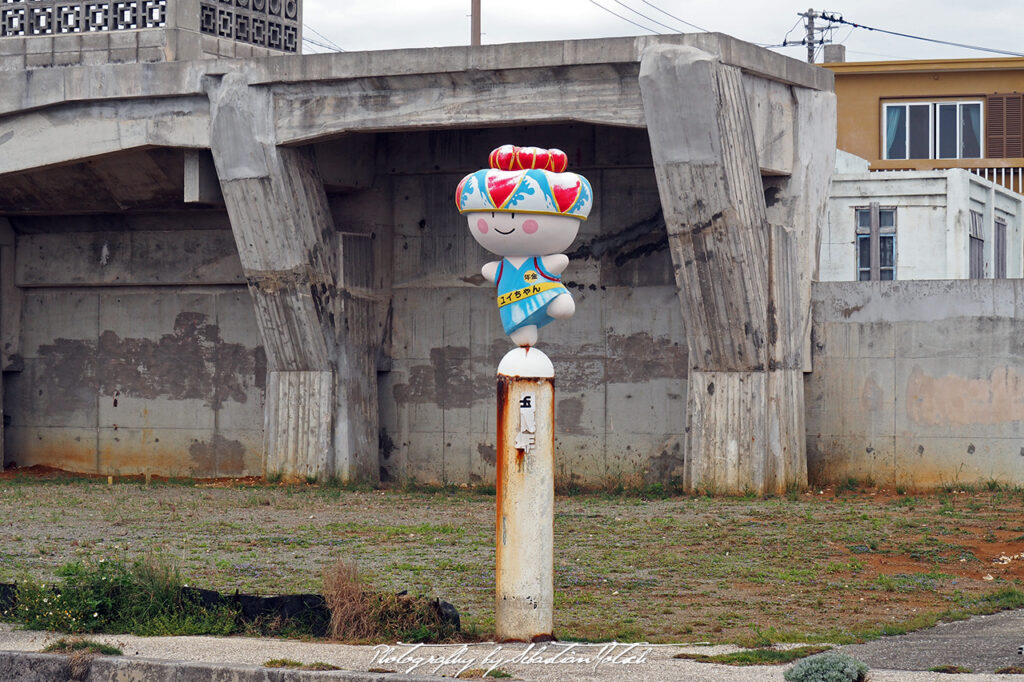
{"points": [[44, 33], [333, 173], [917, 383], [946, 224], [743, 252]]}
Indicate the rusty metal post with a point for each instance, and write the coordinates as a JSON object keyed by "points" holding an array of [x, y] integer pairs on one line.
{"points": [[524, 571]]}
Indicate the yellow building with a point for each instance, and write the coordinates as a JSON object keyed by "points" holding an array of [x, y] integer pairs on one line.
{"points": [[934, 114]]}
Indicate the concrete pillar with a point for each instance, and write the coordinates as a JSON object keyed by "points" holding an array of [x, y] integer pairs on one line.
{"points": [[10, 317], [740, 277], [321, 409], [525, 484]]}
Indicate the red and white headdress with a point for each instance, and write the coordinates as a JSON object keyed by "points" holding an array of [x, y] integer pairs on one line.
{"points": [[526, 180]]}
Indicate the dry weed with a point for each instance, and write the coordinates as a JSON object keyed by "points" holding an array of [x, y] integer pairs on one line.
{"points": [[348, 601]]}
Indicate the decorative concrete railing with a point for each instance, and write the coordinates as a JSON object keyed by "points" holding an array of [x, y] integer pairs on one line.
{"points": [[273, 24], [56, 17], [270, 24]]}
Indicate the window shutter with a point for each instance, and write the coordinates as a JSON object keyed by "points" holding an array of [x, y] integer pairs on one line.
{"points": [[1004, 127]]}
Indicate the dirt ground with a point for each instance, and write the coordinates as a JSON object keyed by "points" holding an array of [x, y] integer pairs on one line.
{"points": [[827, 564]]}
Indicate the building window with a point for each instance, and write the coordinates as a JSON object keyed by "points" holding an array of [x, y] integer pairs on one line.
{"points": [[932, 130], [977, 245], [876, 243], [1004, 126], [1000, 248]]}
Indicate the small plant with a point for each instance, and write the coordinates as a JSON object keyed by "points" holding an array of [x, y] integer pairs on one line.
{"points": [[827, 667], [298, 665], [357, 613], [756, 656], [480, 673], [1011, 670], [69, 646], [348, 602], [282, 663]]}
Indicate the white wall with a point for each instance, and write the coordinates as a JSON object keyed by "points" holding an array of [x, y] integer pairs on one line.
{"points": [[932, 222]]}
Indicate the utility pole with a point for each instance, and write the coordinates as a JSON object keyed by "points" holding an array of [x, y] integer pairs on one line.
{"points": [[810, 15], [474, 38]]}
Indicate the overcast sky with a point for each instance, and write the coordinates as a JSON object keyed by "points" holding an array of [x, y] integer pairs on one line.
{"points": [[385, 24]]}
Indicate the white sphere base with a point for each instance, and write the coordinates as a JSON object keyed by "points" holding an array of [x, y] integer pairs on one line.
{"points": [[526, 362]]}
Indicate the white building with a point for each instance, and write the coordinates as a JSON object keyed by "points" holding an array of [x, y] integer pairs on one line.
{"points": [[941, 224]]}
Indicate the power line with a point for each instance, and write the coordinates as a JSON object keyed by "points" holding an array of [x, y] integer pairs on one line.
{"points": [[838, 18], [337, 47], [653, 21], [682, 21], [593, 2], [319, 44]]}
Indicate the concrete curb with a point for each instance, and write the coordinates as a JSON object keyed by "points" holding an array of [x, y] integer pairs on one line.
{"points": [[33, 667]]}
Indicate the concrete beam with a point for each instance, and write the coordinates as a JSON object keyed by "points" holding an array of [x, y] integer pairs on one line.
{"points": [[321, 412], [594, 94], [386, 63], [745, 396], [70, 133]]}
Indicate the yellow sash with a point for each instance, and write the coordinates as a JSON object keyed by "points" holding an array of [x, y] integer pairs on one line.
{"points": [[525, 292]]}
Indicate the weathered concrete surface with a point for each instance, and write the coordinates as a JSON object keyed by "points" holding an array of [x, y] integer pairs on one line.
{"points": [[917, 383], [320, 337], [747, 314], [360, 271], [130, 381]]}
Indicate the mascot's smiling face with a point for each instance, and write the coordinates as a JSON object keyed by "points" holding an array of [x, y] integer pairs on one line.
{"points": [[522, 234]]}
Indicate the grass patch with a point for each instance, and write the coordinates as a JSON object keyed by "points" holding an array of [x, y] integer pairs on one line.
{"points": [[480, 673], [757, 656], [70, 646], [668, 567], [1011, 670], [298, 665]]}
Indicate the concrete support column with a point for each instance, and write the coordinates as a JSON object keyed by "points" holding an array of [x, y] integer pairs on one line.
{"points": [[743, 281], [321, 411]]}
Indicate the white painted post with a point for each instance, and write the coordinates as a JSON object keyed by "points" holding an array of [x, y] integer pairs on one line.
{"points": [[524, 571]]}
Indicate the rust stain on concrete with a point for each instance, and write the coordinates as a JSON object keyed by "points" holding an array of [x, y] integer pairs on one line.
{"points": [[191, 363], [952, 400]]}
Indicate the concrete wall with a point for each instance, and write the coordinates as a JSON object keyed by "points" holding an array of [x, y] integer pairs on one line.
{"points": [[917, 383], [620, 362], [138, 350], [932, 222]]}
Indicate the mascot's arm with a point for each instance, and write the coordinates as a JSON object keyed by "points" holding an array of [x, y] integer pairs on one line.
{"points": [[555, 263], [490, 271]]}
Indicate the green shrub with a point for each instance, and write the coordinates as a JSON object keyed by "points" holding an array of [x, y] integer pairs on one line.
{"points": [[141, 598], [828, 667]]}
